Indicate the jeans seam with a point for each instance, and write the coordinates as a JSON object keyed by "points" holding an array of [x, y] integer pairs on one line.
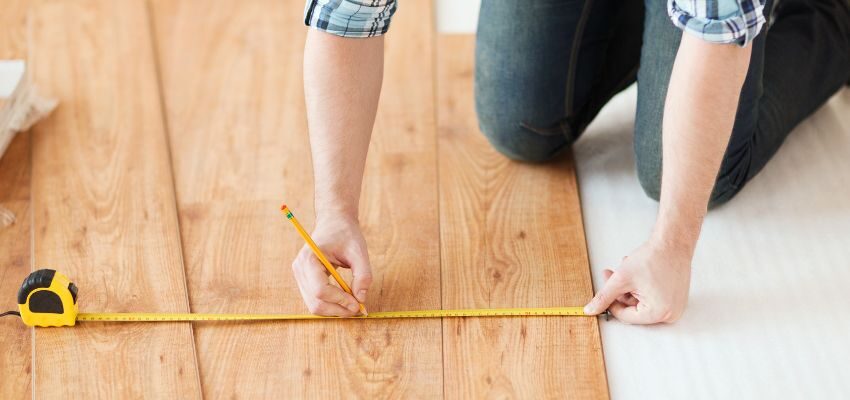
{"points": [[571, 67], [627, 80]]}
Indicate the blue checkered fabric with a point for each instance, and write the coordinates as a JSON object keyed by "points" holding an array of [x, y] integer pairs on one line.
{"points": [[719, 21], [350, 18]]}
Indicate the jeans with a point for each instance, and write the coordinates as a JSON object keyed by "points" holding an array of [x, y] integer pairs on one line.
{"points": [[545, 68]]}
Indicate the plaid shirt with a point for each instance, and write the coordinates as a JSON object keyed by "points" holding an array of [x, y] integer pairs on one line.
{"points": [[717, 21], [350, 18]]}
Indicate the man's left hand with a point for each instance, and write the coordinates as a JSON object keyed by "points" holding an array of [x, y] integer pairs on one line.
{"points": [[650, 286]]}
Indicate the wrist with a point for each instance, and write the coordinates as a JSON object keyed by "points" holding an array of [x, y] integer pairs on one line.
{"points": [[672, 244], [334, 202], [336, 214], [678, 236]]}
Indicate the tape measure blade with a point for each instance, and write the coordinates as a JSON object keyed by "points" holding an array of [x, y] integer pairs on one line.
{"points": [[199, 317], [187, 317], [488, 312]]}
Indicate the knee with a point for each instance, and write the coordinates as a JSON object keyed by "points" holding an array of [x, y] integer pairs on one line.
{"points": [[650, 179], [726, 186], [720, 197], [513, 126], [730, 180], [517, 141], [648, 149], [722, 192], [518, 100]]}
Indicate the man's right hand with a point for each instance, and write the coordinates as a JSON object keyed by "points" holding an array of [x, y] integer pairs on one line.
{"points": [[341, 113], [343, 244]]}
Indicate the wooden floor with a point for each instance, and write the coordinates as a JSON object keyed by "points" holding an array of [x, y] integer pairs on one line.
{"points": [[156, 184]]}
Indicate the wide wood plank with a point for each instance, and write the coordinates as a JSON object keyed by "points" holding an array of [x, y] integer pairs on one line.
{"points": [[511, 236], [232, 77], [103, 205], [13, 27], [15, 361]]}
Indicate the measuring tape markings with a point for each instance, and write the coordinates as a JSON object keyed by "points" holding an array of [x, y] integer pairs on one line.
{"points": [[49, 298], [188, 317]]}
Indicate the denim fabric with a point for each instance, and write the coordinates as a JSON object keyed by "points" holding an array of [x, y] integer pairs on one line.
{"points": [[543, 72]]}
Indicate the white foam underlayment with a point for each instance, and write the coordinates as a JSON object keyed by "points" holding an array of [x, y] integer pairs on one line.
{"points": [[769, 309], [11, 72]]}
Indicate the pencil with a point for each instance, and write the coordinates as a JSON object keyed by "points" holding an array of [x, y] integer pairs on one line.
{"points": [[285, 210]]}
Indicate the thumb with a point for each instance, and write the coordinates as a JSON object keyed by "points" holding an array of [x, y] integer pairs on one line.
{"points": [[361, 269], [613, 288]]}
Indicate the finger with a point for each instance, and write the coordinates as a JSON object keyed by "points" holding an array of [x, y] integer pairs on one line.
{"points": [[631, 314], [361, 270], [332, 294], [317, 286], [613, 288], [328, 309], [299, 265], [628, 299]]}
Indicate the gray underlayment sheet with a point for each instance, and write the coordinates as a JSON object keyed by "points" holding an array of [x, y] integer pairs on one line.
{"points": [[769, 311]]}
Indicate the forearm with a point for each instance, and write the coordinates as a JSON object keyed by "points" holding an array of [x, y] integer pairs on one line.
{"points": [[699, 113], [342, 84]]}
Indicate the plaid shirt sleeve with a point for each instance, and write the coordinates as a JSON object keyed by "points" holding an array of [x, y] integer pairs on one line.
{"points": [[350, 18], [719, 21]]}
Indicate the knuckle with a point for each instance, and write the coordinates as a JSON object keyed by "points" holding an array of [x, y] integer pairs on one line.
{"points": [[664, 314], [608, 293], [314, 308], [622, 275], [365, 278], [324, 292], [358, 247], [671, 317]]}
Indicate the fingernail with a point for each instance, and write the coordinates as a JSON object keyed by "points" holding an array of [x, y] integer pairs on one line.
{"points": [[588, 309], [361, 295]]}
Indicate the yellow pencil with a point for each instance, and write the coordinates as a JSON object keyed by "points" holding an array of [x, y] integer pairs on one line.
{"points": [[285, 210]]}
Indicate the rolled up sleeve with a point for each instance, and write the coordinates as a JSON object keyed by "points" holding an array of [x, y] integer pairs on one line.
{"points": [[719, 21], [350, 18]]}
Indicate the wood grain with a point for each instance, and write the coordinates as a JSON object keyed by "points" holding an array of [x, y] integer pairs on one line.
{"points": [[13, 18], [232, 79], [15, 361], [511, 236], [103, 205]]}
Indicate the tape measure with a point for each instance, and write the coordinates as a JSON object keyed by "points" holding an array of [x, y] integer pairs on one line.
{"points": [[48, 298]]}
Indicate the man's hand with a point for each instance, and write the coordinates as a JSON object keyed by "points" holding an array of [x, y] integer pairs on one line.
{"points": [[343, 244], [650, 286], [342, 83]]}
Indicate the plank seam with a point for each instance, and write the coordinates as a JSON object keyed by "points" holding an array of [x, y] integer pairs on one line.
{"points": [[167, 133], [28, 38], [435, 111]]}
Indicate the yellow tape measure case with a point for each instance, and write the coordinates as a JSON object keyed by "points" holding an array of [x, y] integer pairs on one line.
{"points": [[48, 298]]}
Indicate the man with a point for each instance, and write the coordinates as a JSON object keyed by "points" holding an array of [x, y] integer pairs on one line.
{"points": [[721, 83]]}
